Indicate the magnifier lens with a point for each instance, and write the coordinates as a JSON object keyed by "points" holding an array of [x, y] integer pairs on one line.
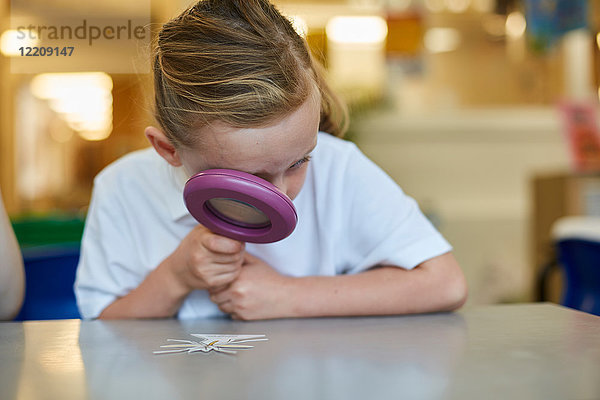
{"points": [[240, 206], [238, 212]]}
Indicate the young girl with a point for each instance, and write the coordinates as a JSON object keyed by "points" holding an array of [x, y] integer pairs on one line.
{"points": [[236, 87]]}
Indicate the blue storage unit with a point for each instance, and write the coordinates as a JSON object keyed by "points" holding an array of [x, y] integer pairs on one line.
{"points": [[580, 260], [577, 248], [49, 277]]}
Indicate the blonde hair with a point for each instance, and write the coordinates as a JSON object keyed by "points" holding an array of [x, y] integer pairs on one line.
{"points": [[239, 62]]}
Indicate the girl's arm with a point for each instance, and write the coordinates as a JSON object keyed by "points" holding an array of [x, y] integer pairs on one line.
{"points": [[159, 296], [437, 284], [203, 260], [12, 279]]}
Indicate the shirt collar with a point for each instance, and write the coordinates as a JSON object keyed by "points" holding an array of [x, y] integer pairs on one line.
{"points": [[175, 202]]}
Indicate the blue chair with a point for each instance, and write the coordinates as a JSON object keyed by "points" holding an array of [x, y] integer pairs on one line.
{"points": [[49, 277], [577, 241]]}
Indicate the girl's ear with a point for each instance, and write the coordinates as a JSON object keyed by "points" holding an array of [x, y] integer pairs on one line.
{"points": [[163, 145]]}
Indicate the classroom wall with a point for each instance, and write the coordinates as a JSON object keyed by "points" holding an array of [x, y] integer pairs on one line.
{"points": [[471, 172]]}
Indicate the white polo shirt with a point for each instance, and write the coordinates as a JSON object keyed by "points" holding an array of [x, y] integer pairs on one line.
{"points": [[351, 217]]}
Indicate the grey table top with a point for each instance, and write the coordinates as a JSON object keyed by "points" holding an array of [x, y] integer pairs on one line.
{"points": [[527, 351]]}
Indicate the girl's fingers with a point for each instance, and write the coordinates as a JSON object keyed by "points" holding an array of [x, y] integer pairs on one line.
{"points": [[218, 289], [222, 280], [219, 258], [222, 245], [214, 270], [226, 307], [220, 297]]}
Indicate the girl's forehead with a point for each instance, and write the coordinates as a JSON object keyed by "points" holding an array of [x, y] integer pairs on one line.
{"points": [[258, 150], [266, 154]]}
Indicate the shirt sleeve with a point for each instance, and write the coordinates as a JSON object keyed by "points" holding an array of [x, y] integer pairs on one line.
{"points": [[384, 225], [107, 262]]}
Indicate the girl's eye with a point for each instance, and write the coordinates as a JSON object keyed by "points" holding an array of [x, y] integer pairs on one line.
{"points": [[300, 162]]}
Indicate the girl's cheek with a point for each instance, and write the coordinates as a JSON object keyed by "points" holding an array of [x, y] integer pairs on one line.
{"points": [[295, 185]]}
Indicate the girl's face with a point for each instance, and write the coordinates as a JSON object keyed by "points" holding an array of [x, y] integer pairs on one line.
{"points": [[278, 153]]}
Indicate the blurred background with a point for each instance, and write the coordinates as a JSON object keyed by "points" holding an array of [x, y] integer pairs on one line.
{"points": [[485, 111]]}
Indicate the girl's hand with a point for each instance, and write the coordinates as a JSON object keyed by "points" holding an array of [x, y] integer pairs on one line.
{"points": [[259, 292], [205, 260]]}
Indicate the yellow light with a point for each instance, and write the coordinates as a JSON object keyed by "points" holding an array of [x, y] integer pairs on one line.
{"points": [[515, 25], [441, 40], [94, 136], [82, 100], [598, 40], [299, 24], [357, 30], [12, 39], [59, 85]]}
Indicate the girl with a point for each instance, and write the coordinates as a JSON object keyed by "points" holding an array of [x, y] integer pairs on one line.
{"points": [[236, 87]]}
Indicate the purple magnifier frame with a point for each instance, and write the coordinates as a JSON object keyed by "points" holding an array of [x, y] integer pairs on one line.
{"points": [[245, 188]]}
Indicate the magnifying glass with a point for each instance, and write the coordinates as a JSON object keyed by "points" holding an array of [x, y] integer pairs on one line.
{"points": [[240, 206]]}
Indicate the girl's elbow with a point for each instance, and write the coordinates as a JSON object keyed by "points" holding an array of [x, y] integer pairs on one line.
{"points": [[450, 277], [456, 293]]}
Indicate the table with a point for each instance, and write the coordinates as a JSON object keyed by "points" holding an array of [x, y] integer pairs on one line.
{"points": [[525, 351]]}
